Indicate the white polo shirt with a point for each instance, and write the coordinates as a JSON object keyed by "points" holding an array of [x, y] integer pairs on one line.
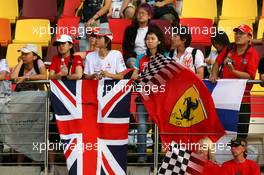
{"points": [[112, 63]]}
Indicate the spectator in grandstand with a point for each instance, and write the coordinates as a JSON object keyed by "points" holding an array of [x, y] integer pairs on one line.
{"points": [[134, 43], [120, 9], [30, 67], [127, 10], [65, 65], [163, 9], [219, 40], [155, 47], [261, 70], [207, 152], [184, 54], [240, 164], [104, 62], [94, 15], [96, 12], [92, 45], [239, 60]]}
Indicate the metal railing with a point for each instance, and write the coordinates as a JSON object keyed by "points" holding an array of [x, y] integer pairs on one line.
{"points": [[154, 155]]}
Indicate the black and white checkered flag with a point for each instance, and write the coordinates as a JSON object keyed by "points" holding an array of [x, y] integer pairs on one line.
{"points": [[179, 161], [159, 70]]}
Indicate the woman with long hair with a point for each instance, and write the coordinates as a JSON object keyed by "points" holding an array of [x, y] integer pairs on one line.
{"points": [[65, 65], [30, 67], [134, 43], [155, 48]]}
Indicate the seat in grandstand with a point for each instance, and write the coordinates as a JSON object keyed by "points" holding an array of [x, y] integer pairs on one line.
{"points": [[164, 25], [36, 31], [5, 32], [201, 29], [260, 29], [259, 46], [118, 27], [70, 7], [246, 9], [229, 25], [207, 9], [12, 53], [69, 25], [52, 51], [39, 9], [9, 10]]}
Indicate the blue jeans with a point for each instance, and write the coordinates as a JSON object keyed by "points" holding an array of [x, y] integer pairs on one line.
{"points": [[142, 130]]}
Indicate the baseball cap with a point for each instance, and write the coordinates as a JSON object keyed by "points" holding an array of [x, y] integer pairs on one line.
{"points": [[237, 141], [62, 39], [105, 32], [29, 48], [244, 28]]}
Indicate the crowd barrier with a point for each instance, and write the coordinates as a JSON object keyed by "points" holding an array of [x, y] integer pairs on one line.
{"points": [[27, 126]]}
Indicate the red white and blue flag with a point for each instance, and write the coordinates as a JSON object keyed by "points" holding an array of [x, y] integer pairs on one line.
{"points": [[93, 119]]}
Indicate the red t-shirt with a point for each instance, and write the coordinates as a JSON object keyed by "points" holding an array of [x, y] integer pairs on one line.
{"points": [[56, 63], [248, 167], [249, 65], [211, 168]]}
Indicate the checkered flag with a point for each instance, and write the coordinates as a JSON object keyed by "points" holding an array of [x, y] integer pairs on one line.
{"points": [[158, 72], [181, 161]]}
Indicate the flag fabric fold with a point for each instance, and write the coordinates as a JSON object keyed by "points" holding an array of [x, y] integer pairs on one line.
{"points": [[93, 129], [227, 95], [181, 104]]}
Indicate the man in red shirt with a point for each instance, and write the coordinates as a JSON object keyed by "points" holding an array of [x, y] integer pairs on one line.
{"points": [[65, 65], [239, 165], [238, 61]]}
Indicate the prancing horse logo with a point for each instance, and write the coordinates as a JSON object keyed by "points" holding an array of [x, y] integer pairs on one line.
{"points": [[190, 106], [188, 109]]}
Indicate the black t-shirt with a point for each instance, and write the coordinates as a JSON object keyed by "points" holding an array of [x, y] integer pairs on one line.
{"points": [[261, 66]]}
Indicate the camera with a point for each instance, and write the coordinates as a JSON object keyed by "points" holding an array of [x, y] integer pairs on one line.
{"points": [[229, 61]]}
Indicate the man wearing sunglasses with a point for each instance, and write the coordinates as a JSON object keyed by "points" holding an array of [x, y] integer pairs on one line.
{"points": [[239, 165]]}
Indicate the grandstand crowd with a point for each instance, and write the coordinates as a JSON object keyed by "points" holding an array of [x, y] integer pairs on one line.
{"points": [[121, 37]]}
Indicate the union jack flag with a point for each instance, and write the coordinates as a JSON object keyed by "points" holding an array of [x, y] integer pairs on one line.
{"points": [[92, 118]]}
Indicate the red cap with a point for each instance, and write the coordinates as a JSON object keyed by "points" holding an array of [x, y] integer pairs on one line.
{"points": [[244, 28]]}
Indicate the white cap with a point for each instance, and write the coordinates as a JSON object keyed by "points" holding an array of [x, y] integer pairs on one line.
{"points": [[29, 48], [62, 39], [105, 32]]}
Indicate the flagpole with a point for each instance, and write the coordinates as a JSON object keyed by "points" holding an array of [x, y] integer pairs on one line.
{"points": [[156, 149]]}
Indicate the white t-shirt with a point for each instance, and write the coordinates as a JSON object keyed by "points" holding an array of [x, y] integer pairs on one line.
{"points": [[112, 63], [140, 46], [4, 66], [187, 60]]}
